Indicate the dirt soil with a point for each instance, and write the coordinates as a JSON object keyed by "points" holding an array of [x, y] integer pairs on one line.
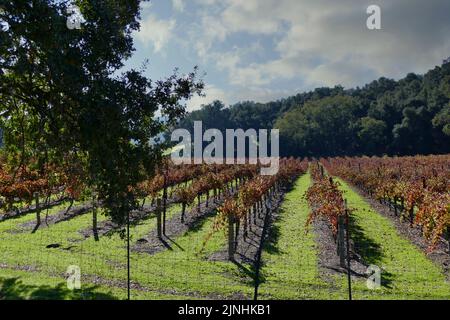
{"points": [[329, 261], [32, 208], [108, 227], [62, 215], [247, 248], [151, 244]]}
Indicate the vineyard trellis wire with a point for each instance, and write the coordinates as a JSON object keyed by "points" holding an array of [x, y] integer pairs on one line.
{"points": [[192, 249]]}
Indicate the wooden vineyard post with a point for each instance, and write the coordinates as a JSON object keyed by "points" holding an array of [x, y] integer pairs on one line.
{"points": [[395, 206], [347, 229], [128, 258], [230, 238], [94, 216], [158, 218], [340, 242], [38, 209], [164, 203], [236, 236], [448, 239]]}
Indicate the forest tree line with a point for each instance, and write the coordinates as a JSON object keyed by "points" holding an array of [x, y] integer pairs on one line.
{"points": [[405, 117]]}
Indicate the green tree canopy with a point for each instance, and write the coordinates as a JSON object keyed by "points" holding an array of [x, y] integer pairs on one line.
{"points": [[67, 87]]}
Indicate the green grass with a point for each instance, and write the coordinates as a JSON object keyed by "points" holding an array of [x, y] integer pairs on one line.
{"points": [[28, 270], [407, 272], [178, 273], [290, 258]]}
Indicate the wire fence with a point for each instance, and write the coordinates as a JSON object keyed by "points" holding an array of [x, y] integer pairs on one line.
{"points": [[65, 258]]}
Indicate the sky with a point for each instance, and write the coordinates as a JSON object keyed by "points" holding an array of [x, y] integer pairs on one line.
{"points": [[263, 50]]}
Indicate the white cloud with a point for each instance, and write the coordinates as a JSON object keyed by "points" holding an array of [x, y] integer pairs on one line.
{"points": [[212, 93], [253, 16], [156, 32], [324, 42], [208, 32], [178, 5], [304, 43]]}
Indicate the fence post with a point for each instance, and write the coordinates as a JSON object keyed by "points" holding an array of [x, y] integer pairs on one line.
{"points": [[164, 204], [347, 229], [340, 244], [128, 257], [94, 216], [158, 218]]}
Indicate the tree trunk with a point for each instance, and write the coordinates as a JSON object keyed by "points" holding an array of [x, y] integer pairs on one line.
{"points": [[38, 213], [70, 206], [47, 205]]}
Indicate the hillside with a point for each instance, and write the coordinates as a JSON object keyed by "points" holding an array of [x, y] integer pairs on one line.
{"points": [[405, 117]]}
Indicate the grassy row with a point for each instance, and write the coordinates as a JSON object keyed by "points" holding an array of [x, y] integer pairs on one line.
{"points": [[290, 261], [406, 271], [176, 273]]}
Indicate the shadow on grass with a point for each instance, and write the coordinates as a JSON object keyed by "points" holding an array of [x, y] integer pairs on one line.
{"points": [[175, 243], [368, 250], [15, 289], [247, 272], [271, 244]]}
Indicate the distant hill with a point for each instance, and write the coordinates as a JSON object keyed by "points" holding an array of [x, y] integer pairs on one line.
{"points": [[409, 116]]}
